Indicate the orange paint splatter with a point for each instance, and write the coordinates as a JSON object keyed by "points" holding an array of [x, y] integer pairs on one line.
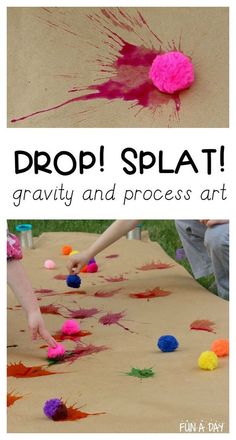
{"points": [[74, 413], [155, 293], [19, 370], [153, 266], [116, 279], [11, 398], [203, 324]]}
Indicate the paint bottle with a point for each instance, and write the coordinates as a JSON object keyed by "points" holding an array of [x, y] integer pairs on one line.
{"points": [[26, 238], [135, 234]]}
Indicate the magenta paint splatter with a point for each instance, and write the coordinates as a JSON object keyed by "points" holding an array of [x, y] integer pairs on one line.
{"points": [[114, 318], [126, 65], [82, 313], [80, 350]]}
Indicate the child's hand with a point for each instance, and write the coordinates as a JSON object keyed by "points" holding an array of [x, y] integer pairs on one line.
{"points": [[210, 223], [37, 328], [77, 261]]}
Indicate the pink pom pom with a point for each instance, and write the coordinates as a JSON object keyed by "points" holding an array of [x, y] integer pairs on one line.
{"points": [[56, 352], [171, 72], [93, 267], [70, 327], [49, 264]]}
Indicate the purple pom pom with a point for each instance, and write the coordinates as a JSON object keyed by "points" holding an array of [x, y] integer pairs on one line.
{"points": [[51, 406], [91, 261]]}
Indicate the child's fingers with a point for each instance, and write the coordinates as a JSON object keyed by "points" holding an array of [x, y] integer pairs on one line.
{"points": [[47, 337], [33, 332]]}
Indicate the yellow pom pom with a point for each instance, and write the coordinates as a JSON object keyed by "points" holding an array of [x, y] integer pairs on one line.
{"points": [[220, 347], [208, 360], [73, 253]]}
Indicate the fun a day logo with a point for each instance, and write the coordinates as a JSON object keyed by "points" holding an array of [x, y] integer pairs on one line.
{"points": [[188, 426]]}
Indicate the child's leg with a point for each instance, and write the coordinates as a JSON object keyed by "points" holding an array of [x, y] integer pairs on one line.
{"points": [[217, 244], [192, 234]]}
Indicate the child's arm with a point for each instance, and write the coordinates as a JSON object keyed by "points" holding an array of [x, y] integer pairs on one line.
{"points": [[111, 234], [19, 283]]}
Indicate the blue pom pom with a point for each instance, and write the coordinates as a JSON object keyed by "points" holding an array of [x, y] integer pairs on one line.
{"points": [[73, 281], [167, 343]]}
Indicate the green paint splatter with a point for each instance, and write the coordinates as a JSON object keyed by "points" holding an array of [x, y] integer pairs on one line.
{"points": [[142, 374]]}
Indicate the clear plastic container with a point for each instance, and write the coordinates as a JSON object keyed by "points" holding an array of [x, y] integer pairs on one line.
{"points": [[26, 237]]}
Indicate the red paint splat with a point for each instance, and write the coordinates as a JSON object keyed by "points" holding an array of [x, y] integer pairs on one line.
{"points": [[82, 313], [114, 318], [153, 266], [74, 413], [112, 256], [19, 370], [203, 324], [51, 309], [44, 291], [103, 294], [127, 65], [75, 337], [155, 293], [12, 398], [116, 279], [60, 277]]}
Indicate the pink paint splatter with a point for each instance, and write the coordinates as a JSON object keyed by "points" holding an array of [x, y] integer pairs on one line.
{"points": [[154, 293], [126, 65], [75, 337], [153, 266], [203, 324], [103, 294], [114, 318], [116, 279], [82, 313]]}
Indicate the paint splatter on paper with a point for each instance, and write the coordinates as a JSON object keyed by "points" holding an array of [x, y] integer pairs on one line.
{"points": [[154, 293], [112, 256], [19, 370], [59, 337], [45, 292], [52, 309], [74, 413], [60, 277], [82, 313], [104, 294], [12, 398], [153, 266], [203, 324], [80, 350], [123, 69], [116, 279], [114, 318], [141, 373]]}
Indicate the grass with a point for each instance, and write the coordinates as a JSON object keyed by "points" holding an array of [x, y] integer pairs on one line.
{"points": [[162, 231]]}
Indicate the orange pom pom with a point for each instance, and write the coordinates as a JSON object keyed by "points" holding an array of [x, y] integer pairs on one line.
{"points": [[220, 347], [66, 250], [84, 269]]}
